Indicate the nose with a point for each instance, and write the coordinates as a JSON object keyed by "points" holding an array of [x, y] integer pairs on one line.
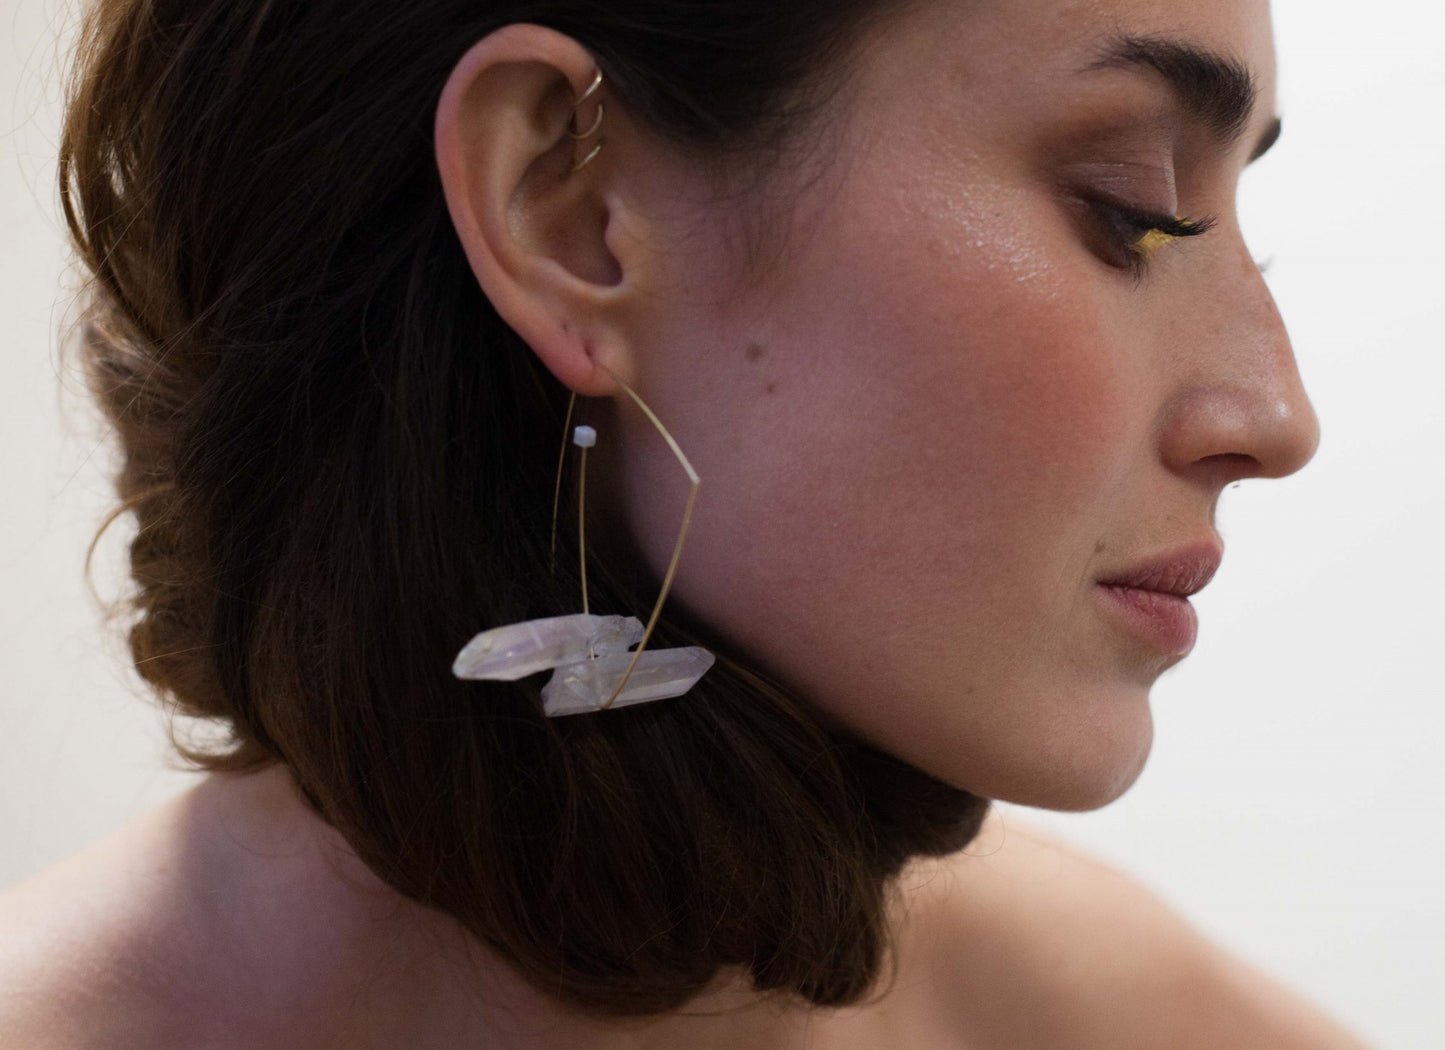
{"points": [[1239, 409]]}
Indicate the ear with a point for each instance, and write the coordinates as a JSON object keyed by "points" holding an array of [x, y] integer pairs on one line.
{"points": [[551, 248]]}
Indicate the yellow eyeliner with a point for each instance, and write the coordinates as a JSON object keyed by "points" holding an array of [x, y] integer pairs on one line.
{"points": [[1152, 240]]}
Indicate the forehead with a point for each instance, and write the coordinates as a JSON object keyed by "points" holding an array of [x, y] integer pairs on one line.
{"points": [[992, 49]]}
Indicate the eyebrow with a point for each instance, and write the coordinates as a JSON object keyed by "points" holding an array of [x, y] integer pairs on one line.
{"points": [[1218, 91]]}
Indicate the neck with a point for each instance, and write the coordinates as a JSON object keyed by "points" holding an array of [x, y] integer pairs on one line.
{"points": [[347, 954]]}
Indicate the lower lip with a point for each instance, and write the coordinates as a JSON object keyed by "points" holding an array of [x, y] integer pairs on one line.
{"points": [[1166, 621]]}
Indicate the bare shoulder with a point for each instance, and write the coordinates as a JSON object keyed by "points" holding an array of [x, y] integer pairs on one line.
{"points": [[79, 944], [215, 921], [1040, 945], [147, 938]]}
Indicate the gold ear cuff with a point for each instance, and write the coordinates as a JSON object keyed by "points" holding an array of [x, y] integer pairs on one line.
{"points": [[596, 123], [576, 135]]}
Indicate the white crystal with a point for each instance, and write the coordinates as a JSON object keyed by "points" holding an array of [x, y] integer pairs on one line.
{"points": [[660, 673], [506, 654]]}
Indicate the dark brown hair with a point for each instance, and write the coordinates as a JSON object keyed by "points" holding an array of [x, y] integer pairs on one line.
{"points": [[340, 463]]}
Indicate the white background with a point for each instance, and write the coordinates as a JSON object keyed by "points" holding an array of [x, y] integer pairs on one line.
{"points": [[1291, 806]]}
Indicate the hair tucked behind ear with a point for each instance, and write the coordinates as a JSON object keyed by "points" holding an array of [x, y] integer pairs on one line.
{"points": [[340, 462]]}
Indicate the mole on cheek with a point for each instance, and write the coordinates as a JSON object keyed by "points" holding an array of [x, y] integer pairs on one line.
{"points": [[754, 353]]}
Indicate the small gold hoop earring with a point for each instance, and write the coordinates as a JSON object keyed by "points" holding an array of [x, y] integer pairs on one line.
{"points": [[572, 131], [587, 159], [591, 90], [596, 123]]}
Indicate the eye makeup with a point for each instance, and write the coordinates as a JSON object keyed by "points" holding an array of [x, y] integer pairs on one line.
{"points": [[1136, 234]]}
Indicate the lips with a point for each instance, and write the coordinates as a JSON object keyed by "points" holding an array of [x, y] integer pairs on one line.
{"points": [[1182, 573], [1152, 598]]}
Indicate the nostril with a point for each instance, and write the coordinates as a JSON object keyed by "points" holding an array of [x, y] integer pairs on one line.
{"points": [[1222, 468], [1232, 430]]}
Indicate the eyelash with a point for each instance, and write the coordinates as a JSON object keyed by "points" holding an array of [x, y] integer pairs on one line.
{"points": [[1128, 226]]}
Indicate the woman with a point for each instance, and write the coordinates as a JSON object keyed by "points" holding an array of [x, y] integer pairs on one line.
{"points": [[947, 308]]}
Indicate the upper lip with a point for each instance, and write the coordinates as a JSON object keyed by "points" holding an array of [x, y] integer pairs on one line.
{"points": [[1184, 572]]}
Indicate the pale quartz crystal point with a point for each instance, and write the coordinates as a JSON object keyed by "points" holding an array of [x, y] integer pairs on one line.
{"points": [[506, 654], [660, 673]]}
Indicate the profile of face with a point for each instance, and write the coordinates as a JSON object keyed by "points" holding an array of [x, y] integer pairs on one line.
{"points": [[936, 375]]}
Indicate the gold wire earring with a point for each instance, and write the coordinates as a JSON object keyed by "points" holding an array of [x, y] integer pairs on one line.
{"points": [[577, 136], [592, 667]]}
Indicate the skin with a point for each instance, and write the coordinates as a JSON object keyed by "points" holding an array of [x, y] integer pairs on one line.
{"points": [[928, 416], [232, 917]]}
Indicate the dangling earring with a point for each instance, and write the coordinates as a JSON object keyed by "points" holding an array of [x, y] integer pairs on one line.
{"points": [[593, 668]]}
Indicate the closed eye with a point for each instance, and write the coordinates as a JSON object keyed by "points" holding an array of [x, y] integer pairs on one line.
{"points": [[1135, 234]]}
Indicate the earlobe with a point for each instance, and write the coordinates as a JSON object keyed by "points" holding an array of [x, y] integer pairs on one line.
{"points": [[532, 221]]}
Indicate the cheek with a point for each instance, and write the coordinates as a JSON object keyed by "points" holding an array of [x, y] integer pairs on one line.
{"points": [[944, 404], [903, 485]]}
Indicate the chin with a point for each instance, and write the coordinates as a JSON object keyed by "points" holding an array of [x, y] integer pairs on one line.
{"points": [[1082, 794], [1073, 770]]}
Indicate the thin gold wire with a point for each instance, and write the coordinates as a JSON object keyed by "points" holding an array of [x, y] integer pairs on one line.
{"points": [[582, 521], [582, 524], [587, 159], [596, 123], [591, 89], [557, 494], [682, 533]]}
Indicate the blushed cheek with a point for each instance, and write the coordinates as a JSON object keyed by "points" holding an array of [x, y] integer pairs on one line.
{"points": [[935, 439], [999, 391], [934, 407], [1003, 353]]}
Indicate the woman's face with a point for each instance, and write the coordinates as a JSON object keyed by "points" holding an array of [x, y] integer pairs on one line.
{"points": [[946, 408]]}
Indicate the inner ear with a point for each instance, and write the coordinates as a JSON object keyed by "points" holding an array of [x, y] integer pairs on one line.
{"points": [[556, 213]]}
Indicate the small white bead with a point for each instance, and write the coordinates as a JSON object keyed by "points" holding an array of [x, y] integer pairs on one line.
{"points": [[584, 437]]}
